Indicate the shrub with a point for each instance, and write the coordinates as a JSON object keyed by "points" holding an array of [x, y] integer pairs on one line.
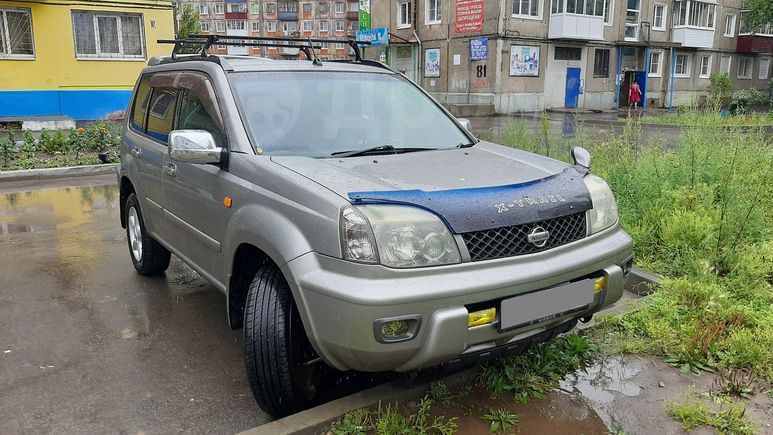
{"points": [[744, 99], [30, 146], [7, 150], [719, 90]]}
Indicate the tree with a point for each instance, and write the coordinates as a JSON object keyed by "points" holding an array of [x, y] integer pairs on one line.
{"points": [[189, 22], [757, 13]]}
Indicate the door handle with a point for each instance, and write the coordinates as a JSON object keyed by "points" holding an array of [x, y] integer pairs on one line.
{"points": [[137, 152], [170, 169]]}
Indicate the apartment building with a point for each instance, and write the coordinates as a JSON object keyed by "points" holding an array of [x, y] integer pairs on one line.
{"points": [[323, 19], [537, 54]]}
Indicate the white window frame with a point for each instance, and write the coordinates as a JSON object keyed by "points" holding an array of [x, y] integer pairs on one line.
{"points": [[729, 64], [609, 13], [6, 54], [204, 26], [254, 8], [335, 7], [342, 27], [634, 25], [686, 64], [311, 8], [327, 26], [762, 74], [255, 26], [529, 16], [270, 26], [707, 74], [438, 18], [307, 26], [95, 16], [339, 45], [219, 8], [219, 26], [749, 62], [203, 9], [731, 24], [659, 71], [404, 15], [711, 11], [235, 25], [663, 17], [286, 24]]}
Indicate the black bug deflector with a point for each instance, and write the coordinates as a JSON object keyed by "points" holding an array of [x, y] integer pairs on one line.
{"points": [[482, 208]]}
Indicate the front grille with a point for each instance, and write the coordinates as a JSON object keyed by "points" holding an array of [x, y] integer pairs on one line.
{"points": [[511, 241]]}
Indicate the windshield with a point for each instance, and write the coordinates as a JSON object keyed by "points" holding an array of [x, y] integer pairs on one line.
{"points": [[317, 114]]}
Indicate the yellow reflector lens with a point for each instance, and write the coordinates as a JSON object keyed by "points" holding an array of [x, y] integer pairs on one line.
{"points": [[601, 283], [481, 317], [394, 329]]}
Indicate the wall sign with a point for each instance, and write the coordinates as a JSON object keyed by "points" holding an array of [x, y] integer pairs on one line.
{"points": [[432, 62], [479, 48], [364, 15], [524, 60], [378, 37], [469, 16]]}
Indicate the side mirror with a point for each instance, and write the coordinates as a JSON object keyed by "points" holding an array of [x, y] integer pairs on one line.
{"points": [[465, 123], [581, 157], [194, 146]]}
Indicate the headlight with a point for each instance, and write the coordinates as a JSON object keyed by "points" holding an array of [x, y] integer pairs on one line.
{"points": [[404, 236], [604, 212]]}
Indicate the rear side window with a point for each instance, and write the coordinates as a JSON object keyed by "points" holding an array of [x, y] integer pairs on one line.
{"points": [[194, 116], [140, 106], [163, 103]]}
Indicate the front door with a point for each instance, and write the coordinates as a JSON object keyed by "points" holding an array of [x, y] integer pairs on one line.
{"points": [[572, 94], [402, 60]]}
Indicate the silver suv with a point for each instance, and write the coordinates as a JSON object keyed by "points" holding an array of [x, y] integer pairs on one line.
{"points": [[353, 223]]}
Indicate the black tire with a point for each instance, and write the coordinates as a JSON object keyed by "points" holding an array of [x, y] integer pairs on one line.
{"points": [[152, 258], [282, 367]]}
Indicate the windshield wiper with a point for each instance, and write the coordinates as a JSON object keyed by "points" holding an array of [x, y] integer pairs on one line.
{"points": [[381, 149], [465, 145]]}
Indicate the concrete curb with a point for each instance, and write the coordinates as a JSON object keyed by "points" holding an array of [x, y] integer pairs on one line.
{"points": [[319, 419], [49, 173]]}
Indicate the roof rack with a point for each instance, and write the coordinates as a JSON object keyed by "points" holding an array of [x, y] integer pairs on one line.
{"points": [[306, 45]]}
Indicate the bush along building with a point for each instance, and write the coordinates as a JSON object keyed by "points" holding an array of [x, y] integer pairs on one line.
{"points": [[318, 19], [527, 55], [76, 60]]}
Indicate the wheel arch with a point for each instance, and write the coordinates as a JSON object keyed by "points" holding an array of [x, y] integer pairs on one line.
{"points": [[126, 188], [246, 261]]}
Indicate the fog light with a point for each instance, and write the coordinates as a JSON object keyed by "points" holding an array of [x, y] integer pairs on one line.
{"points": [[482, 317], [394, 329], [601, 284]]}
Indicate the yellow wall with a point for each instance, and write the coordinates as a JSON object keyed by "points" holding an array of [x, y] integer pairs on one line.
{"points": [[55, 66]]}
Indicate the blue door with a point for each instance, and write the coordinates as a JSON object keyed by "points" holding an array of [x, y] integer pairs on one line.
{"points": [[641, 78], [572, 87]]}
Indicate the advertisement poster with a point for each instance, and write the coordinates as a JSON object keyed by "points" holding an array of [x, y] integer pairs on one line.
{"points": [[432, 62], [479, 48], [469, 16], [377, 37], [364, 16], [524, 60]]}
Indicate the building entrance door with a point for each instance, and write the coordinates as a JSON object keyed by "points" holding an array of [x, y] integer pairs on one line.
{"points": [[572, 93], [402, 60]]}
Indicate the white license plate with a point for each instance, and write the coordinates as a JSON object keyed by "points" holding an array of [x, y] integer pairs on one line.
{"points": [[547, 304]]}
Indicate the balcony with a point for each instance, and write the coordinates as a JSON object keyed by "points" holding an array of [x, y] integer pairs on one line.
{"points": [[352, 15], [287, 15], [691, 36], [753, 43], [575, 26], [241, 15]]}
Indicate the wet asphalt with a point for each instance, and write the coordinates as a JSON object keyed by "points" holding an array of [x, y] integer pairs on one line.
{"points": [[89, 346]]}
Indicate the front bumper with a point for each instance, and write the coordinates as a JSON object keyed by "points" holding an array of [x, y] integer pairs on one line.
{"points": [[339, 301]]}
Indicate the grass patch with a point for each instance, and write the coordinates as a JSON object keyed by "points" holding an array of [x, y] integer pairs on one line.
{"points": [[695, 118], [389, 419], [501, 420], [692, 413]]}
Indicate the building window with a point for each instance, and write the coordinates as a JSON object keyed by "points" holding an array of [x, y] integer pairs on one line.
{"points": [[745, 68], [705, 67], [204, 26], [324, 26], [270, 8], [659, 17], [220, 26], [255, 26], [219, 9], [16, 34], [530, 8], [729, 26], [108, 35], [270, 26], [601, 63], [762, 74], [404, 15], [340, 26], [682, 65], [255, 8], [237, 7], [308, 26], [433, 11], [656, 61], [235, 25], [203, 9], [307, 8], [608, 4], [632, 16], [289, 26], [339, 45], [339, 7], [593, 8], [323, 8], [568, 53], [724, 64], [694, 13]]}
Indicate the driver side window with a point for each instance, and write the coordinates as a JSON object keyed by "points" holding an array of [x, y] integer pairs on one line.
{"points": [[193, 115]]}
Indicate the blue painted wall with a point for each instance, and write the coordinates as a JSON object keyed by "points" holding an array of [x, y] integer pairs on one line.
{"points": [[79, 105]]}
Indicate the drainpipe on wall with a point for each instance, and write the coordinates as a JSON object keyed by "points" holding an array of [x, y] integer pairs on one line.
{"points": [[419, 57], [672, 67], [619, 78], [646, 74]]}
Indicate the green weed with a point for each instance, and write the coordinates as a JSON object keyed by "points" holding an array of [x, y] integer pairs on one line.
{"points": [[501, 420], [692, 413], [388, 420]]}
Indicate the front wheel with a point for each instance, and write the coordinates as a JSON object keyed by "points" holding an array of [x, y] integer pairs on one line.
{"points": [[148, 256], [282, 367]]}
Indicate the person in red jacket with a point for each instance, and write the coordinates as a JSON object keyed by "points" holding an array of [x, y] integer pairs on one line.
{"points": [[634, 94]]}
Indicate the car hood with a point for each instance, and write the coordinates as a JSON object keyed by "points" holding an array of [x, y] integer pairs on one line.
{"points": [[485, 186]]}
